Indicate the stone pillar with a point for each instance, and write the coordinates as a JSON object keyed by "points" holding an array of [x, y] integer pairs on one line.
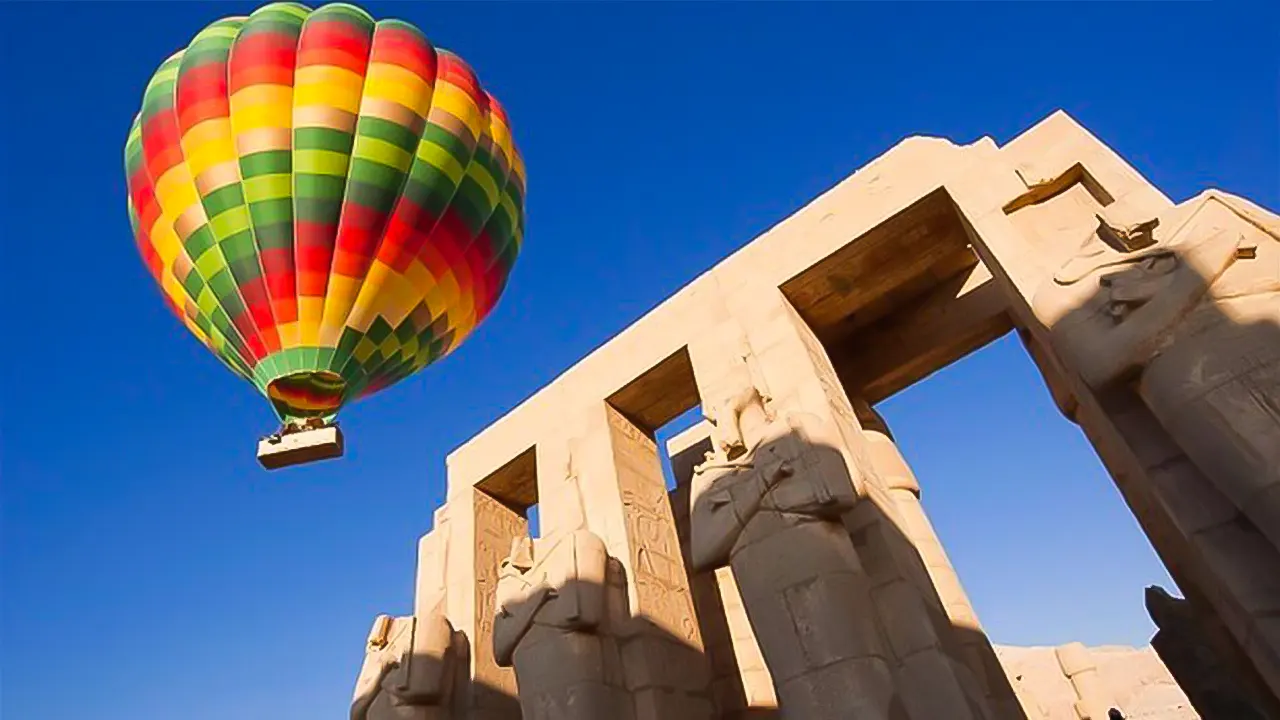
{"points": [[768, 345], [818, 655], [479, 532], [1093, 697], [1216, 677], [740, 685], [1199, 533], [610, 469], [1051, 372], [552, 627], [431, 576], [939, 585]]}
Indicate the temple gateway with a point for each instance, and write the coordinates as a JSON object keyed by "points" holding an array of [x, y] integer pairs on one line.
{"points": [[792, 572]]}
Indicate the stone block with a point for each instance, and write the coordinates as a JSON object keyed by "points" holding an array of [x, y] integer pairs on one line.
{"points": [[1074, 658], [1192, 501], [660, 704], [862, 689], [904, 618], [1247, 562], [757, 685], [929, 689], [651, 661], [829, 633]]}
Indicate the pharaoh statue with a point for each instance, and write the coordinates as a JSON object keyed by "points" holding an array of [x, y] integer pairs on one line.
{"points": [[1185, 308], [551, 607], [410, 667], [768, 503]]}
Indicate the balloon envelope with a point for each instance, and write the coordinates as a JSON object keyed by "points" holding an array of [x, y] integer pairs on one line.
{"points": [[328, 202]]}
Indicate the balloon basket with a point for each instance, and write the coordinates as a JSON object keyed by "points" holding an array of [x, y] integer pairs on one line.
{"points": [[299, 447]]}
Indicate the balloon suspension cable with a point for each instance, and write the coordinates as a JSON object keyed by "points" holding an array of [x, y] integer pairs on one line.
{"points": [[297, 425]]}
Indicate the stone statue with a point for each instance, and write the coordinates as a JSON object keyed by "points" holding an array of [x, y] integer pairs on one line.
{"points": [[1217, 688], [768, 503], [1186, 308], [409, 669], [551, 605]]}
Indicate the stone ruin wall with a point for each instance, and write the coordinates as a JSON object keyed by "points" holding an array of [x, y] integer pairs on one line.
{"points": [[926, 254]]}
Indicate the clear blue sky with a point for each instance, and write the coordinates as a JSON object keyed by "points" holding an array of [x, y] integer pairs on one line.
{"points": [[152, 570]]}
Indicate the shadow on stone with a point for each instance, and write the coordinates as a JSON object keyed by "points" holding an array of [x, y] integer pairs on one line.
{"points": [[564, 622], [883, 613], [424, 677], [1175, 328], [1218, 690]]}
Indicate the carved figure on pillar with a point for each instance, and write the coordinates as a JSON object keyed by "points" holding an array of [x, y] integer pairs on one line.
{"points": [[1186, 308], [1218, 688], [409, 671], [768, 502], [551, 608]]}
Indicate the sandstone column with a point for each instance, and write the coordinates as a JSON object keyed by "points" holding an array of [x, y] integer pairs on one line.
{"points": [[939, 585], [605, 475], [1187, 512], [552, 628], [766, 344], [741, 684], [479, 533], [1202, 657]]}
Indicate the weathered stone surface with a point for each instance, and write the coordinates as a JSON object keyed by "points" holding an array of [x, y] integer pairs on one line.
{"points": [[767, 502], [1186, 306], [1134, 680], [1214, 687], [411, 669], [1156, 326], [551, 625]]}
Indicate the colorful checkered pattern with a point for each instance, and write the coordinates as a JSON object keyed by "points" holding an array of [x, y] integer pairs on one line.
{"points": [[327, 202]]}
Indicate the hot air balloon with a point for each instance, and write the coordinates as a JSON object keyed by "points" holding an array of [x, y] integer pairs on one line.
{"points": [[328, 203]]}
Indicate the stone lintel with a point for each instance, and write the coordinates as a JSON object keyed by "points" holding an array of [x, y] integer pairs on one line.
{"points": [[908, 189]]}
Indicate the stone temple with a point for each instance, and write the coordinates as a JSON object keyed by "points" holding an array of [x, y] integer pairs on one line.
{"points": [[793, 572]]}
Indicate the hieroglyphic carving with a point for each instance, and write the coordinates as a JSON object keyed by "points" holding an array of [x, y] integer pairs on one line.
{"points": [[845, 419], [658, 584], [831, 387], [822, 369], [496, 525], [657, 568]]}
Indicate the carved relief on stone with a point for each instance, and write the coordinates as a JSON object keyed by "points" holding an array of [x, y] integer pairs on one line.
{"points": [[657, 570], [768, 502], [496, 525], [1190, 318], [409, 671], [551, 602]]}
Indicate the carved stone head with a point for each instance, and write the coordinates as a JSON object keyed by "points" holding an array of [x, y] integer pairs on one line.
{"points": [[736, 421], [520, 558]]}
